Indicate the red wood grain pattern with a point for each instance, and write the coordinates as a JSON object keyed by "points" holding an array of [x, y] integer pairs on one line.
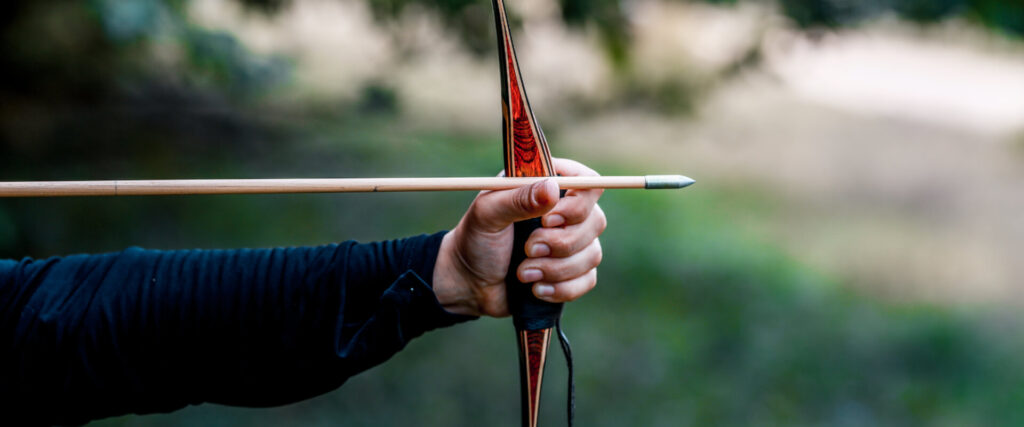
{"points": [[526, 150], [526, 155], [533, 349], [527, 158]]}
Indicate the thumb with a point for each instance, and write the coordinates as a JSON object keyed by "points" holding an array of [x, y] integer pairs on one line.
{"points": [[494, 211]]}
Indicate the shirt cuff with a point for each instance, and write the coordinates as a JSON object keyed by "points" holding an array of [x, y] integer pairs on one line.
{"points": [[425, 313], [414, 289]]}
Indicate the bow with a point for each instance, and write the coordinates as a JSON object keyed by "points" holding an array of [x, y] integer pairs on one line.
{"points": [[526, 155]]}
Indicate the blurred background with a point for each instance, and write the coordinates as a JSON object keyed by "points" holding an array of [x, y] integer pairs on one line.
{"points": [[851, 254]]}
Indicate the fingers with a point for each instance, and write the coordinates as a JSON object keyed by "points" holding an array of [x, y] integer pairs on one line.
{"points": [[563, 279], [494, 211], [565, 253], [568, 167], [564, 241], [566, 291], [577, 205]]}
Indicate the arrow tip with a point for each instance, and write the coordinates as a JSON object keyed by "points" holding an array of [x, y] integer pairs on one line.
{"points": [[659, 182]]}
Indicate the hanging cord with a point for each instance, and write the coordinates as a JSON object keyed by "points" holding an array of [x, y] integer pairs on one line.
{"points": [[567, 350]]}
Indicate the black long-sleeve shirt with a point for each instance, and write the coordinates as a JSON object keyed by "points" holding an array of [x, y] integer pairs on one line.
{"points": [[84, 337]]}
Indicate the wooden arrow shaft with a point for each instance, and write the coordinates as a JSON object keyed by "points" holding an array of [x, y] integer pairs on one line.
{"points": [[321, 185]]}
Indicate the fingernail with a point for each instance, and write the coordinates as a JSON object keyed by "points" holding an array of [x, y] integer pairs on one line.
{"points": [[545, 290], [553, 220], [539, 250], [532, 275]]}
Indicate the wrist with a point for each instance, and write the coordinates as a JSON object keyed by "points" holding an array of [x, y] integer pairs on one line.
{"points": [[452, 284]]}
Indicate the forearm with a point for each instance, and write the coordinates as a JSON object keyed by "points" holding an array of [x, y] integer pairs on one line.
{"points": [[148, 331]]}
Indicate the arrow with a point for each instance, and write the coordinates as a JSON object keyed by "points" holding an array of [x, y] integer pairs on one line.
{"points": [[324, 185]]}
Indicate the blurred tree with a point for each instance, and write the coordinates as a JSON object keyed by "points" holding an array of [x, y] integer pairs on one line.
{"points": [[1005, 16], [609, 17], [55, 49], [720, 330]]}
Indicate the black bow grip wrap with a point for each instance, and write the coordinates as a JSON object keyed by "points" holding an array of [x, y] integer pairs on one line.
{"points": [[528, 312]]}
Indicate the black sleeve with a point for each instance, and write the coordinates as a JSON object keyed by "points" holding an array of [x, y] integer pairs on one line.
{"points": [[139, 331]]}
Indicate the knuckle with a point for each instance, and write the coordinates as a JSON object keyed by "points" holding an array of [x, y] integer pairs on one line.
{"points": [[521, 201], [576, 211], [570, 295], [598, 255], [578, 287], [560, 243], [474, 214]]}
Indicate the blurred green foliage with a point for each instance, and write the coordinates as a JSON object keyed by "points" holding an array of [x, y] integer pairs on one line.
{"points": [[696, 321], [1006, 16], [610, 17]]}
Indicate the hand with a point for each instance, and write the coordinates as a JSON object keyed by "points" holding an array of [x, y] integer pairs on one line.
{"points": [[469, 276]]}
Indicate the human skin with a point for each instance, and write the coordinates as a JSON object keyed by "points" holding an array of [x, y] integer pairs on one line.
{"points": [[562, 256]]}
